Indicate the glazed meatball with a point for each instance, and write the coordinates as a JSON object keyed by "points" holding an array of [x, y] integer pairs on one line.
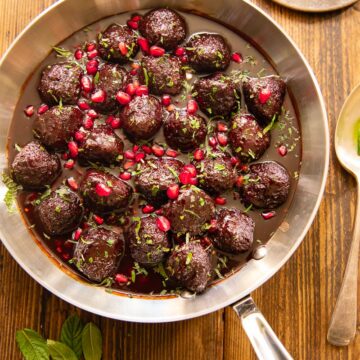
{"points": [[163, 75], [60, 83], [111, 79], [248, 140], [267, 185], [190, 212], [142, 117], [57, 126], [101, 145], [208, 52], [264, 97], [155, 176], [184, 131], [163, 27], [234, 231], [98, 253], [190, 265], [148, 244], [104, 192], [216, 95], [216, 173], [60, 212], [118, 43], [34, 168]]}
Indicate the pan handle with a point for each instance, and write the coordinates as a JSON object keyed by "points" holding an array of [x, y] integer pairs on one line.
{"points": [[266, 344]]}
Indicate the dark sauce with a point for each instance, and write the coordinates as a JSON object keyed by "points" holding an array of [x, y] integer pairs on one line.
{"points": [[150, 281]]}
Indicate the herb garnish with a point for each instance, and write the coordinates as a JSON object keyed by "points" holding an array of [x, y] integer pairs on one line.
{"points": [[12, 189]]}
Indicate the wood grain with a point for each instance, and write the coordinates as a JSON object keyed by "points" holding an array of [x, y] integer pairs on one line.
{"points": [[297, 301]]}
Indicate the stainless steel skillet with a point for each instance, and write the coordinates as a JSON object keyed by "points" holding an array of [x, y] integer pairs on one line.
{"points": [[68, 16]]}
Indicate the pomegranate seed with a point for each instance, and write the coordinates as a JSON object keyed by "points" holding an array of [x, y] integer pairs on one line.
{"points": [[59, 249], [212, 141], [115, 123], [129, 154], [69, 164], [198, 155], [91, 47], [221, 127], [65, 156], [123, 48], [88, 123], [66, 256], [166, 100], [268, 215], [78, 54], [205, 241], [142, 90], [125, 175], [239, 181], [192, 107], [244, 168], [157, 51], [83, 105], [159, 212], [185, 177], [121, 279], [42, 109], [129, 164], [193, 181], [191, 169], [180, 51], [77, 234], [213, 225], [222, 139], [220, 200], [135, 66], [234, 161], [130, 89], [98, 219], [282, 150], [92, 67], [136, 18], [92, 54], [171, 153], [98, 96], [139, 157], [173, 191], [132, 24], [109, 119], [86, 83], [147, 149], [102, 190], [163, 223], [93, 114], [158, 150], [72, 183], [148, 209], [29, 110], [136, 148], [123, 98], [184, 59], [133, 72], [144, 45], [264, 95], [73, 149], [236, 57]]}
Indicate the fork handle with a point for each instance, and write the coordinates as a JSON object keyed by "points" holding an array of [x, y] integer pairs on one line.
{"points": [[342, 328]]}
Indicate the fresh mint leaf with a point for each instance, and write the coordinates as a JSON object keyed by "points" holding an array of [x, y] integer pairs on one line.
{"points": [[10, 195], [60, 351], [32, 345], [71, 334], [91, 342]]}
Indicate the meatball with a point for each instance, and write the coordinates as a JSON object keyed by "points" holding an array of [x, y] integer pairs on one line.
{"points": [[118, 43], [104, 192], [216, 94], [190, 212], [216, 173], [34, 168], [234, 231], [148, 244], [248, 140], [59, 211], [208, 52], [111, 79], [57, 126], [163, 75], [142, 117], [155, 176], [60, 83], [102, 145], [98, 253], [264, 97], [184, 131], [163, 27], [267, 185], [190, 265]]}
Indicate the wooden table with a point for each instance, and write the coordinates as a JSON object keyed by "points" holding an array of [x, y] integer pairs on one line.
{"points": [[297, 301]]}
